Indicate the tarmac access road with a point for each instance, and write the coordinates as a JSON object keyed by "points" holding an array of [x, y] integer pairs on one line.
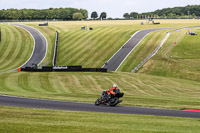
{"points": [[87, 107], [117, 59], [40, 46]]}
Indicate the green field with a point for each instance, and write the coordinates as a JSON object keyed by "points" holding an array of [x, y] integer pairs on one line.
{"points": [[14, 49], [15, 120], [180, 61]]}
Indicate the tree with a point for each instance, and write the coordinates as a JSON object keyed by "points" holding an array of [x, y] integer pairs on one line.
{"points": [[126, 15], [103, 15], [84, 13], [94, 15], [77, 16], [65, 13], [193, 15], [133, 15]]}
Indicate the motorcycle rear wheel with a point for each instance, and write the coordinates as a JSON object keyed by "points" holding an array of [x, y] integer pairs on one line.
{"points": [[114, 101]]}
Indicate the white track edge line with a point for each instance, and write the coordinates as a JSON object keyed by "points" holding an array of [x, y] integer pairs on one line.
{"points": [[122, 46], [33, 47], [46, 45], [131, 51]]}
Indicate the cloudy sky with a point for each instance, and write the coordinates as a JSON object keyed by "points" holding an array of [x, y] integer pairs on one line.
{"points": [[114, 8]]}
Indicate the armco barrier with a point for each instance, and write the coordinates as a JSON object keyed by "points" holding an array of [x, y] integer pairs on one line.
{"points": [[151, 55], [55, 49], [64, 69]]}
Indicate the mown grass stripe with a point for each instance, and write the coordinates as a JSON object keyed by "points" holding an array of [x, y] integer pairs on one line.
{"points": [[56, 84], [45, 83], [9, 46], [171, 91], [14, 51], [35, 83], [73, 80], [132, 88], [3, 84], [73, 52], [85, 55], [4, 41], [116, 41], [102, 44], [68, 39], [23, 82], [63, 48], [85, 47], [92, 85]]}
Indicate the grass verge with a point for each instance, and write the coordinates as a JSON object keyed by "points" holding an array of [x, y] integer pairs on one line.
{"points": [[15, 120]]}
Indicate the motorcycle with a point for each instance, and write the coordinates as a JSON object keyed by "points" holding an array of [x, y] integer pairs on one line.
{"points": [[113, 100]]}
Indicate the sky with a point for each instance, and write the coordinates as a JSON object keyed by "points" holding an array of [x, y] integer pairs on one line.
{"points": [[113, 8]]}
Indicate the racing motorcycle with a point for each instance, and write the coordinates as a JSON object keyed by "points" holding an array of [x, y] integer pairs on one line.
{"points": [[113, 100]]}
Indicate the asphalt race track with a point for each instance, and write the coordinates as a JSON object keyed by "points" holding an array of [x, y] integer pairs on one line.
{"points": [[122, 53], [39, 48], [61, 105]]}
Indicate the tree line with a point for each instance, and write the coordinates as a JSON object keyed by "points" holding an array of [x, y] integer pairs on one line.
{"points": [[190, 11], [51, 13]]}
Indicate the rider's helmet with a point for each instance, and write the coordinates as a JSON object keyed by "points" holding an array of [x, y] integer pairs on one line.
{"points": [[115, 86]]}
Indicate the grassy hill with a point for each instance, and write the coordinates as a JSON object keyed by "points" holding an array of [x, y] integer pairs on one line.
{"points": [[94, 48], [14, 49], [180, 61]]}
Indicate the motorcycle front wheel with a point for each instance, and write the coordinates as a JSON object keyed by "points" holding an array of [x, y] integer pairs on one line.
{"points": [[98, 102]]}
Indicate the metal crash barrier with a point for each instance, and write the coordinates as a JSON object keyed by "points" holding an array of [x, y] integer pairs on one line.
{"points": [[62, 69]]}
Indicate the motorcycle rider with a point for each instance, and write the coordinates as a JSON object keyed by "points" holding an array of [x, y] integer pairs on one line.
{"points": [[112, 90], [110, 97]]}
